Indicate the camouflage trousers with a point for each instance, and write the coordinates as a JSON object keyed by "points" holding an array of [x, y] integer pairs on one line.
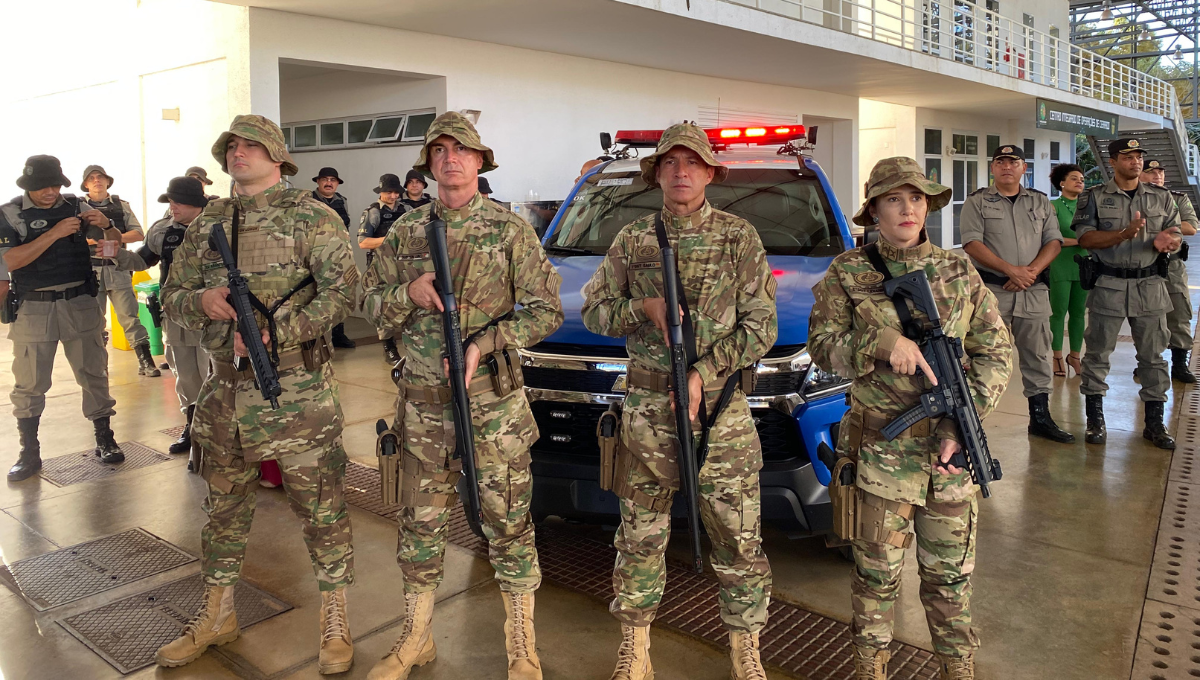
{"points": [[505, 491], [313, 482], [730, 508], [945, 559]]}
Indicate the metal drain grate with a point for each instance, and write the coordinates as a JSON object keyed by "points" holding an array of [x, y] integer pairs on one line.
{"points": [[173, 431], [796, 640], [1189, 405], [1175, 570], [1168, 643], [1183, 464], [128, 632], [1187, 433], [82, 570], [85, 466]]}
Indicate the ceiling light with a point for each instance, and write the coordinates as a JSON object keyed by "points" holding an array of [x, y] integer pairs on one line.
{"points": [[1106, 14]]}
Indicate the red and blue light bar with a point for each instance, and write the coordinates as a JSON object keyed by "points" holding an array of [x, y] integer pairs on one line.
{"points": [[722, 136]]}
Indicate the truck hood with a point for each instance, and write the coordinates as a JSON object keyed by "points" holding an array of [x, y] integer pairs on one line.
{"points": [[793, 298]]}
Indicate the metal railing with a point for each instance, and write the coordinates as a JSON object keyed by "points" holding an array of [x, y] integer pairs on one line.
{"points": [[1192, 158], [960, 31]]}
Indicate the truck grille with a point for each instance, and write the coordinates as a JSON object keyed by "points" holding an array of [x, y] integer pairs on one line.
{"points": [[778, 433], [598, 382]]}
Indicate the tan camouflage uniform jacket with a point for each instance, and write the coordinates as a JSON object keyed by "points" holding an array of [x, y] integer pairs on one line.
{"points": [[285, 235], [852, 330]]}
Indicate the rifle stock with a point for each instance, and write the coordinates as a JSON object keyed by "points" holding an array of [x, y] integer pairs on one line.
{"points": [[951, 397], [464, 429], [240, 298], [688, 474]]}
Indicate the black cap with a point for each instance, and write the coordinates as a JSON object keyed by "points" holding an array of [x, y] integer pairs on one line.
{"points": [[41, 172], [328, 172], [185, 190], [1152, 165], [416, 174], [484, 187], [389, 182], [1120, 146], [1008, 151]]}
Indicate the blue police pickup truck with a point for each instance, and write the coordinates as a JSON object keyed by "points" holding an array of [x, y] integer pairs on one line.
{"points": [[573, 376]]}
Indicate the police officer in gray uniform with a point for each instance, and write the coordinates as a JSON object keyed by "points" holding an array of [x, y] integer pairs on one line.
{"points": [[1179, 319], [1011, 233], [376, 221], [185, 354], [115, 284], [49, 263], [1129, 227]]}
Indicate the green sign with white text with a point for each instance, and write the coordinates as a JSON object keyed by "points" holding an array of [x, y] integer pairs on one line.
{"points": [[1076, 119]]}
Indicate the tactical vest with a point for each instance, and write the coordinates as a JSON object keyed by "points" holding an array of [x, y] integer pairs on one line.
{"points": [[171, 240], [387, 216], [67, 260], [114, 211], [414, 204]]}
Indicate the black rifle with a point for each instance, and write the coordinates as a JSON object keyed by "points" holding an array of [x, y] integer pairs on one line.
{"points": [[464, 430], [951, 397], [689, 476], [245, 303]]}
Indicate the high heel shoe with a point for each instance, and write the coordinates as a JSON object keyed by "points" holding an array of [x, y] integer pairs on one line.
{"points": [[1075, 364], [1060, 369]]}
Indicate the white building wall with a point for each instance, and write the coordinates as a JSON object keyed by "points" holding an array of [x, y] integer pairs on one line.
{"points": [[541, 113]]}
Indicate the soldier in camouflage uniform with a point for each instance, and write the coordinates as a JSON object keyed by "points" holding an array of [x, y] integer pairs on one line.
{"points": [[497, 263], [855, 332], [281, 237], [730, 295], [1179, 319]]}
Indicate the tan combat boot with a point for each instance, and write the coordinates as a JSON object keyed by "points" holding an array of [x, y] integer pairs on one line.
{"points": [[956, 667], [215, 624], [337, 649], [871, 664], [744, 652], [633, 658], [415, 644], [519, 640]]}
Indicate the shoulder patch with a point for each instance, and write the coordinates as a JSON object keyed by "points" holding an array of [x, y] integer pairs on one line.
{"points": [[647, 252], [868, 278]]}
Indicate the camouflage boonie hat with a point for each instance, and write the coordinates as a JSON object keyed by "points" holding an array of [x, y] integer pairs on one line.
{"points": [[897, 171], [690, 136], [457, 126], [262, 130]]}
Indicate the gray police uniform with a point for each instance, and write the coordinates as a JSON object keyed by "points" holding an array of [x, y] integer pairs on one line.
{"points": [[1179, 319], [376, 222], [58, 305], [115, 284], [1138, 294], [189, 361], [1016, 231]]}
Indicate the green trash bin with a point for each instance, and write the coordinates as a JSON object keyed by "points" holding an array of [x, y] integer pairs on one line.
{"points": [[144, 290]]}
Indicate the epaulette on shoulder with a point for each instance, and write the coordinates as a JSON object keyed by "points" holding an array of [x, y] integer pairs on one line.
{"points": [[1178, 193], [16, 200], [979, 191], [1035, 191], [1155, 187]]}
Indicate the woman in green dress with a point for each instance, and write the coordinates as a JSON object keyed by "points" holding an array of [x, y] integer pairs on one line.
{"points": [[1068, 299]]}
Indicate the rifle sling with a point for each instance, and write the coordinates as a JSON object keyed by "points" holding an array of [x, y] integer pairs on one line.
{"points": [[911, 329], [689, 349]]}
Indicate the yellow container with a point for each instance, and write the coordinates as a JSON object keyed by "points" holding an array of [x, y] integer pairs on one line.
{"points": [[117, 334]]}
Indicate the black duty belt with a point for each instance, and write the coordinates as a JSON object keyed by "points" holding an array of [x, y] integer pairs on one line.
{"points": [[55, 295], [1123, 273], [998, 280]]}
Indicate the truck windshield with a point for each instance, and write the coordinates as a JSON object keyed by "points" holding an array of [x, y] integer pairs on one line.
{"points": [[789, 210]]}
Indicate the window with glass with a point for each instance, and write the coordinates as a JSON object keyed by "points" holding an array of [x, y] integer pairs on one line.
{"points": [[965, 177], [1030, 150], [964, 32], [304, 137], [333, 134], [931, 25], [414, 129], [993, 143], [1055, 151], [359, 131], [933, 141]]}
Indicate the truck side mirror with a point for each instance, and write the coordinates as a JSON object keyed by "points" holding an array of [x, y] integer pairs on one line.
{"points": [[812, 135], [605, 141]]}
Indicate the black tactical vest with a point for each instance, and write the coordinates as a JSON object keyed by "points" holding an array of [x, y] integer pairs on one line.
{"points": [[113, 211], [171, 240], [66, 260], [387, 216]]}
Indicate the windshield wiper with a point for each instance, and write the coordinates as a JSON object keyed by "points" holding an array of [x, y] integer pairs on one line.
{"points": [[568, 250]]}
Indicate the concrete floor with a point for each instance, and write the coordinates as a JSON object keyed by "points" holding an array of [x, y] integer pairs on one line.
{"points": [[1064, 553]]}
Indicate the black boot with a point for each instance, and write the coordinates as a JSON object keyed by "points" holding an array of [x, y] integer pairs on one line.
{"points": [[1179, 366], [1155, 431], [146, 365], [106, 445], [30, 459], [184, 443], [390, 352], [1094, 406], [339, 337], [1042, 425]]}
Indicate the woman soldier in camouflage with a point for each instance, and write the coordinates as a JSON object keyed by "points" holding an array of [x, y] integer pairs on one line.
{"points": [[855, 332]]}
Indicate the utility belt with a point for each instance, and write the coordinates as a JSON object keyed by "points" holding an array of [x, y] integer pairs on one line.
{"points": [[312, 355], [56, 295], [857, 514], [401, 474], [1156, 269], [661, 382], [998, 280]]}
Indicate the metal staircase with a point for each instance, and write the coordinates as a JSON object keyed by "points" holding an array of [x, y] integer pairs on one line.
{"points": [[1163, 146]]}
